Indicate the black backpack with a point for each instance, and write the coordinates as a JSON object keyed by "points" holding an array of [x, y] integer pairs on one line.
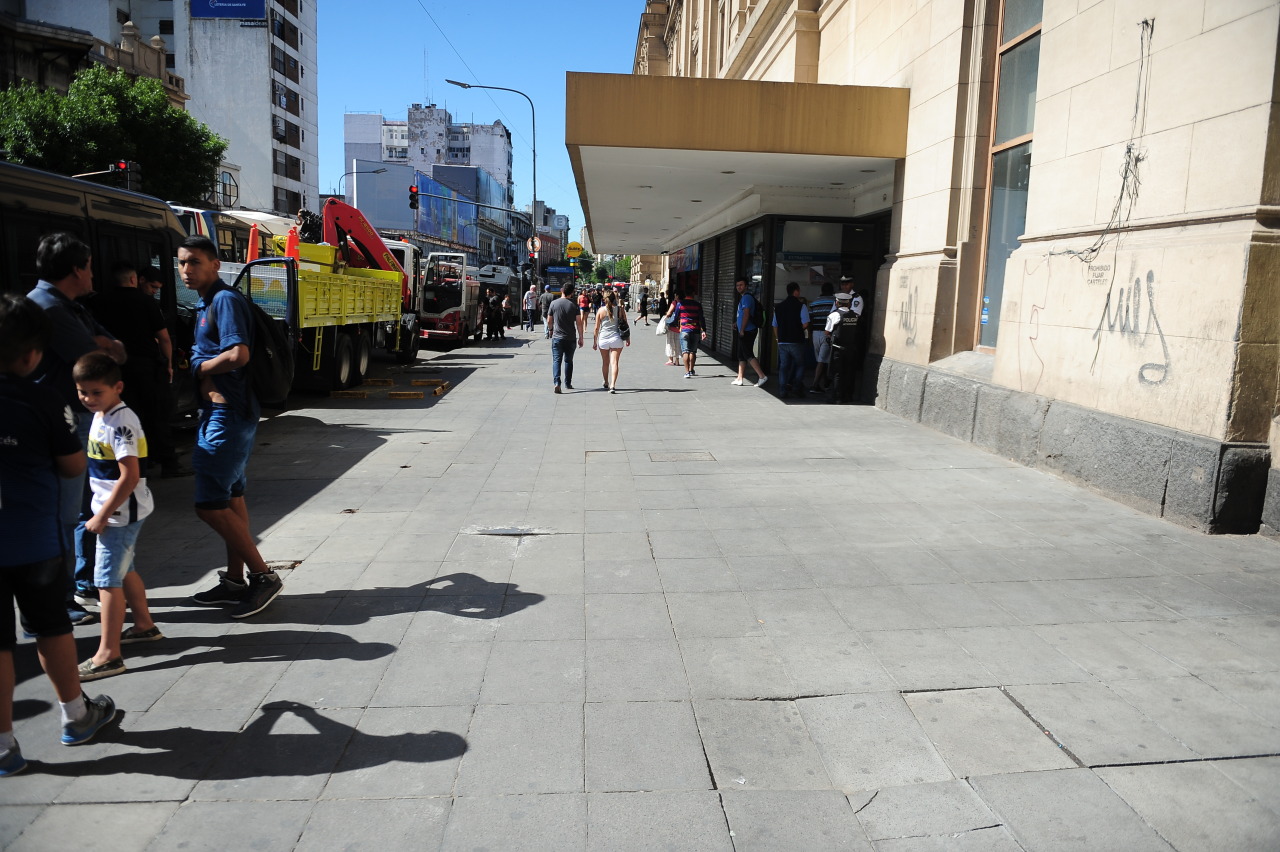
{"points": [[270, 357], [757, 313]]}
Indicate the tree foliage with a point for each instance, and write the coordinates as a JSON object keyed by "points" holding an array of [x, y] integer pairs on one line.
{"points": [[585, 264], [104, 117], [622, 267]]}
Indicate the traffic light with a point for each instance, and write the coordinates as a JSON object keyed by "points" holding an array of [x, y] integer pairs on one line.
{"points": [[413, 198], [131, 171]]}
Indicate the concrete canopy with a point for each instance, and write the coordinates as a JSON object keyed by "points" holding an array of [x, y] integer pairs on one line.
{"points": [[659, 159]]}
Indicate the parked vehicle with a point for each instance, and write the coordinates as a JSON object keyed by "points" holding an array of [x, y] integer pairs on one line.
{"points": [[449, 304], [116, 224], [338, 299]]}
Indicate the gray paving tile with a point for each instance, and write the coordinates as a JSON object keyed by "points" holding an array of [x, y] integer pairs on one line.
{"points": [[1208, 722], [1194, 806], [959, 605], [683, 544], [635, 670], [334, 675], [524, 672], [830, 664], [455, 618], [116, 827], [1107, 653], [424, 674], [712, 614], [994, 839], [1017, 655], [926, 659], [218, 826], [1196, 648], [1097, 724], [652, 822], [635, 616], [938, 808], [759, 745], [1068, 810], [401, 823], [536, 617], [834, 570], [755, 572], [746, 667], [878, 608], [796, 612], [401, 752], [1255, 692], [523, 748], [813, 820], [604, 547], [625, 575], [696, 575], [546, 821], [285, 752], [871, 741], [643, 745], [911, 566], [981, 732], [1259, 776]]}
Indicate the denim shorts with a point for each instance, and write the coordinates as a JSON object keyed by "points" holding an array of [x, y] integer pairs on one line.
{"points": [[822, 347], [689, 341], [114, 555], [220, 456]]}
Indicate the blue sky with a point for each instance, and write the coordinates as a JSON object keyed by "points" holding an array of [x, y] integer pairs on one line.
{"points": [[382, 55]]}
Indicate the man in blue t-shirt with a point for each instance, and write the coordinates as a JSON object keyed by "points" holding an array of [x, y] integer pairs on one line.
{"points": [[747, 331], [228, 423]]}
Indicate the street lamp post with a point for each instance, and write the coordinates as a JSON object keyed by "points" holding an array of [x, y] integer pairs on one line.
{"points": [[533, 208], [368, 172]]}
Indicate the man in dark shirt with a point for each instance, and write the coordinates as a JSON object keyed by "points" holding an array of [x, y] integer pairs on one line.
{"points": [[228, 423], [790, 321], [65, 267], [136, 319], [565, 323]]}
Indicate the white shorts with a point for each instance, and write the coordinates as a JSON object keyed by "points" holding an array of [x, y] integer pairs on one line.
{"points": [[609, 341]]}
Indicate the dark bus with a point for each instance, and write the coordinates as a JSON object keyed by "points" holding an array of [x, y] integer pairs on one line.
{"points": [[116, 224]]}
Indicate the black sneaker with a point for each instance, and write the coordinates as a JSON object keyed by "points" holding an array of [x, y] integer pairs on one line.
{"points": [[226, 593], [263, 589], [87, 597]]}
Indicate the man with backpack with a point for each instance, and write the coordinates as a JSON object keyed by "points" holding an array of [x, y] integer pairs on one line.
{"points": [[229, 412], [747, 327]]}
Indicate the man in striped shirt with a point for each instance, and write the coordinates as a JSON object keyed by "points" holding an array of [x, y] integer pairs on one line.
{"points": [[692, 323]]}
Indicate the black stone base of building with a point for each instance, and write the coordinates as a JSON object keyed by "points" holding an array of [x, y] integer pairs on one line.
{"points": [[1208, 485]]}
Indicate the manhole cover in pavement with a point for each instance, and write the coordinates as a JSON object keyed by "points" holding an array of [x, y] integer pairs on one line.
{"points": [[681, 457]]}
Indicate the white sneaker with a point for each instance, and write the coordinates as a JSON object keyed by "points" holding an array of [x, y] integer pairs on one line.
{"points": [[762, 382], [737, 382]]}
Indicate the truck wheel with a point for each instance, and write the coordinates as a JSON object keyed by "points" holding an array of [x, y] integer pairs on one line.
{"points": [[343, 374], [409, 353], [364, 354]]}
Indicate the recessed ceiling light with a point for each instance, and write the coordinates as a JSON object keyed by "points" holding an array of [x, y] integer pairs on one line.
{"points": [[628, 223], [837, 183], [677, 217], [644, 186], [636, 208], [868, 171], [695, 201], [730, 172]]}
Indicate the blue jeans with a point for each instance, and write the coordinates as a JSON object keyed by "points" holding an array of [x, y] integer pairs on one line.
{"points": [[76, 512], [791, 366], [562, 348]]}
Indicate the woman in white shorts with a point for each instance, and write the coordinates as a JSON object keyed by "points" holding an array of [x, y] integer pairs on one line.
{"points": [[608, 338]]}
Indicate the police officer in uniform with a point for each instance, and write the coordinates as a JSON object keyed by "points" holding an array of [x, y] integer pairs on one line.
{"points": [[842, 328]]}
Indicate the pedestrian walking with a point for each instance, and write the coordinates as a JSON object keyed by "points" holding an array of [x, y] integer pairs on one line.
{"points": [[224, 437], [644, 305], [40, 450], [688, 317], [544, 306], [121, 503], [819, 309], [611, 335], [64, 265], [530, 307], [790, 322], [746, 329], [565, 323]]}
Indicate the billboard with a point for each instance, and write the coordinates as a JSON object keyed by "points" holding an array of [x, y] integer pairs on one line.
{"points": [[238, 9]]}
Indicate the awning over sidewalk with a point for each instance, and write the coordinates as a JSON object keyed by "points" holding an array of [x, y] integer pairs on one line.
{"points": [[653, 156]]}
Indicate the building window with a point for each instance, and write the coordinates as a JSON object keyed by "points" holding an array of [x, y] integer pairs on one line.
{"points": [[170, 61], [122, 17], [166, 27], [1009, 181]]}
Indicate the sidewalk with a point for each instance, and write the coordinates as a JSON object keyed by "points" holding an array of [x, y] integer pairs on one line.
{"points": [[686, 616]]}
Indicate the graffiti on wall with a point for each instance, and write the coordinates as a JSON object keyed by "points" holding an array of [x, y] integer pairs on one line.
{"points": [[1131, 314], [907, 313]]}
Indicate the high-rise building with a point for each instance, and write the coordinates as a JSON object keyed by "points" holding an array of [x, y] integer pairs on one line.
{"points": [[430, 137], [250, 71]]}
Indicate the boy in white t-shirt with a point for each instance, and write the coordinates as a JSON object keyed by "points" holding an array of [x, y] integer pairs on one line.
{"points": [[121, 501]]}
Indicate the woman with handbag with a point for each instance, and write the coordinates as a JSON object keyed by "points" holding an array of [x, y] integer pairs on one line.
{"points": [[612, 333]]}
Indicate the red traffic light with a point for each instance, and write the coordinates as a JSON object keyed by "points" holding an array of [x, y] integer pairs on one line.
{"points": [[413, 189]]}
